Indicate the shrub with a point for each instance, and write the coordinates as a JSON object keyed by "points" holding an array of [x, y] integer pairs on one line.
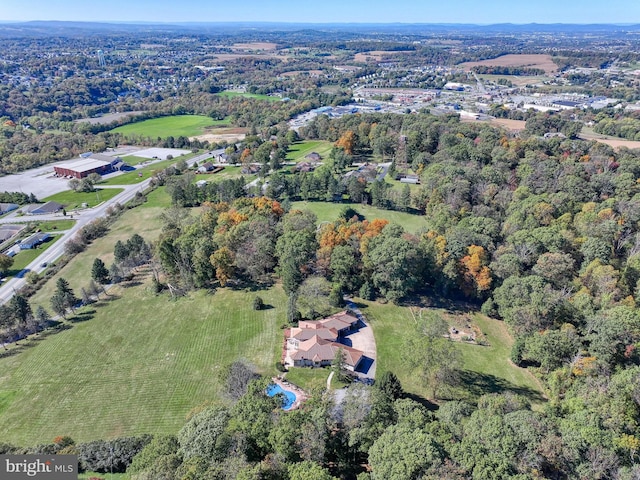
{"points": [[258, 303]]}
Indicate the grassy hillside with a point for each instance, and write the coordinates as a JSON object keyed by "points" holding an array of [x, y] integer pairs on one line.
{"points": [[175, 126], [136, 364], [487, 369], [328, 212]]}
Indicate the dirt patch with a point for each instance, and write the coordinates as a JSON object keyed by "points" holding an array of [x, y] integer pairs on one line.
{"points": [[535, 60], [228, 57], [376, 55], [254, 46], [108, 118], [295, 73], [219, 137], [513, 125], [616, 143]]}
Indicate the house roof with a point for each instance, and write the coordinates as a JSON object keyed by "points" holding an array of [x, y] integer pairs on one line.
{"points": [[339, 321], [303, 334], [320, 350], [85, 164], [102, 157], [49, 207], [36, 238]]}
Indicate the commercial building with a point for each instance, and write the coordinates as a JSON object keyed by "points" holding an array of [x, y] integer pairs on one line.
{"points": [[96, 163]]}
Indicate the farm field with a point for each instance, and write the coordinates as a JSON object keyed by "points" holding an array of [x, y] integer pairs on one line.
{"points": [[615, 142], [137, 364], [535, 60], [517, 80], [328, 212], [487, 369], [256, 96], [298, 150], [71, 199], [175, 126]]}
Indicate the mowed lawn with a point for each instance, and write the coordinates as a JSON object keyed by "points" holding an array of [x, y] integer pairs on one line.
{"points": [[298, 150], [144, 221], [172, 126], [143, 173], [71, 199], [329, 212], [137, 364], [486, 369]]}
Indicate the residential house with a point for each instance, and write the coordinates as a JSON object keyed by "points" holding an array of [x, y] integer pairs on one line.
{"points": [[314, 343], [34, 240]]}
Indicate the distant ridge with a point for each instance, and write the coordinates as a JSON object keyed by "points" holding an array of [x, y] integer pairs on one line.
{"points": [[72, 28]]}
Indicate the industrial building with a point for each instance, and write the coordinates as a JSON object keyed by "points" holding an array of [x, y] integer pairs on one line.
{"points": [[95, 163]]}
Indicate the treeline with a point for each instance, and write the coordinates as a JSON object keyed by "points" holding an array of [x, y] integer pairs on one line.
{"points": [[504, 70], [18, 198], [374, 433], [628, 127]]}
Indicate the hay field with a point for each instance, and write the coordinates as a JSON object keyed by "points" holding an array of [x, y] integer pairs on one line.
{"points": [[541, 61]]}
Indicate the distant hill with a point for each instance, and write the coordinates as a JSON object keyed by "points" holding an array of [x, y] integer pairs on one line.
{"points": [[66, 28]]}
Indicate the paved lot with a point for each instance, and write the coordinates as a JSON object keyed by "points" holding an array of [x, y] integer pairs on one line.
{"points": [[363, 340]]}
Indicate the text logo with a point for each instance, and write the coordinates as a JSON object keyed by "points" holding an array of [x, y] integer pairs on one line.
{"points": [[46, 467]]}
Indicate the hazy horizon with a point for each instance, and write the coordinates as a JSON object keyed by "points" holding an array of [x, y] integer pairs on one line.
{"points": [[616, 12]]}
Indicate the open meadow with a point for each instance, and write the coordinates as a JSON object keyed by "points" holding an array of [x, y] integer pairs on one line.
{"points": [[486, 368], [534, 60], [298, 150], [175, 126], [329, 212], [134, 363]]}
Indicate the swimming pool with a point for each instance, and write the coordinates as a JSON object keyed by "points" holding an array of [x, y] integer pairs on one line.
{"points": [[289, 397]]}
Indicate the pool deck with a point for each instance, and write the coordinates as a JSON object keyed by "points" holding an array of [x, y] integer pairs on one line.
{"points": [[301, 396]]}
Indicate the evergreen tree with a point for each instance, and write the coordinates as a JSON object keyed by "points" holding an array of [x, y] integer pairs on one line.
{"points": [[99, 272]]}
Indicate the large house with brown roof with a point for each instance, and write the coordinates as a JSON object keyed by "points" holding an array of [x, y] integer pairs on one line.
{"points": [[315, 343]]}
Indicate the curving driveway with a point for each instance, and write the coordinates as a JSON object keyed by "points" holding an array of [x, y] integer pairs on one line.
{"points": [[363, 340]]}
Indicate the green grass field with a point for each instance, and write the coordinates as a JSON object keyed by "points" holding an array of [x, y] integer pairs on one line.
{"points": [[133, 160], [51, 225], [137, 364], [255, 96], [487, 369], [71, 199], [174, 126], [328, 212], [144, 221], [137, 176], [298, 150], [312, 378]]}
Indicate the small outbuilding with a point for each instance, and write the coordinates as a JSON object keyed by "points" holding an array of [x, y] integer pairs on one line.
{"points": [[34, 240]]}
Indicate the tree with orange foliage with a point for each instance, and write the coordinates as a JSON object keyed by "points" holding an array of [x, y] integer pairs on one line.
{"points": [[222, 259], [347, 142], [475, 275]]}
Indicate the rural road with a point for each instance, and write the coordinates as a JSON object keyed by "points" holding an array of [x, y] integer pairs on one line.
{"points": [[83, 217]]}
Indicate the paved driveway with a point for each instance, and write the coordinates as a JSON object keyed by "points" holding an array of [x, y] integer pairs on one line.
{"points": [[363, 340]]}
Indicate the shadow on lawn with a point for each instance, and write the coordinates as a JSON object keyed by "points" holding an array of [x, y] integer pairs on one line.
{"points": [[33, 339], [477, 384], [82, 316]]}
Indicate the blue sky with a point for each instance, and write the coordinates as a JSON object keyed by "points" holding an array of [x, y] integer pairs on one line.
{"points": [[327, 11]]}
